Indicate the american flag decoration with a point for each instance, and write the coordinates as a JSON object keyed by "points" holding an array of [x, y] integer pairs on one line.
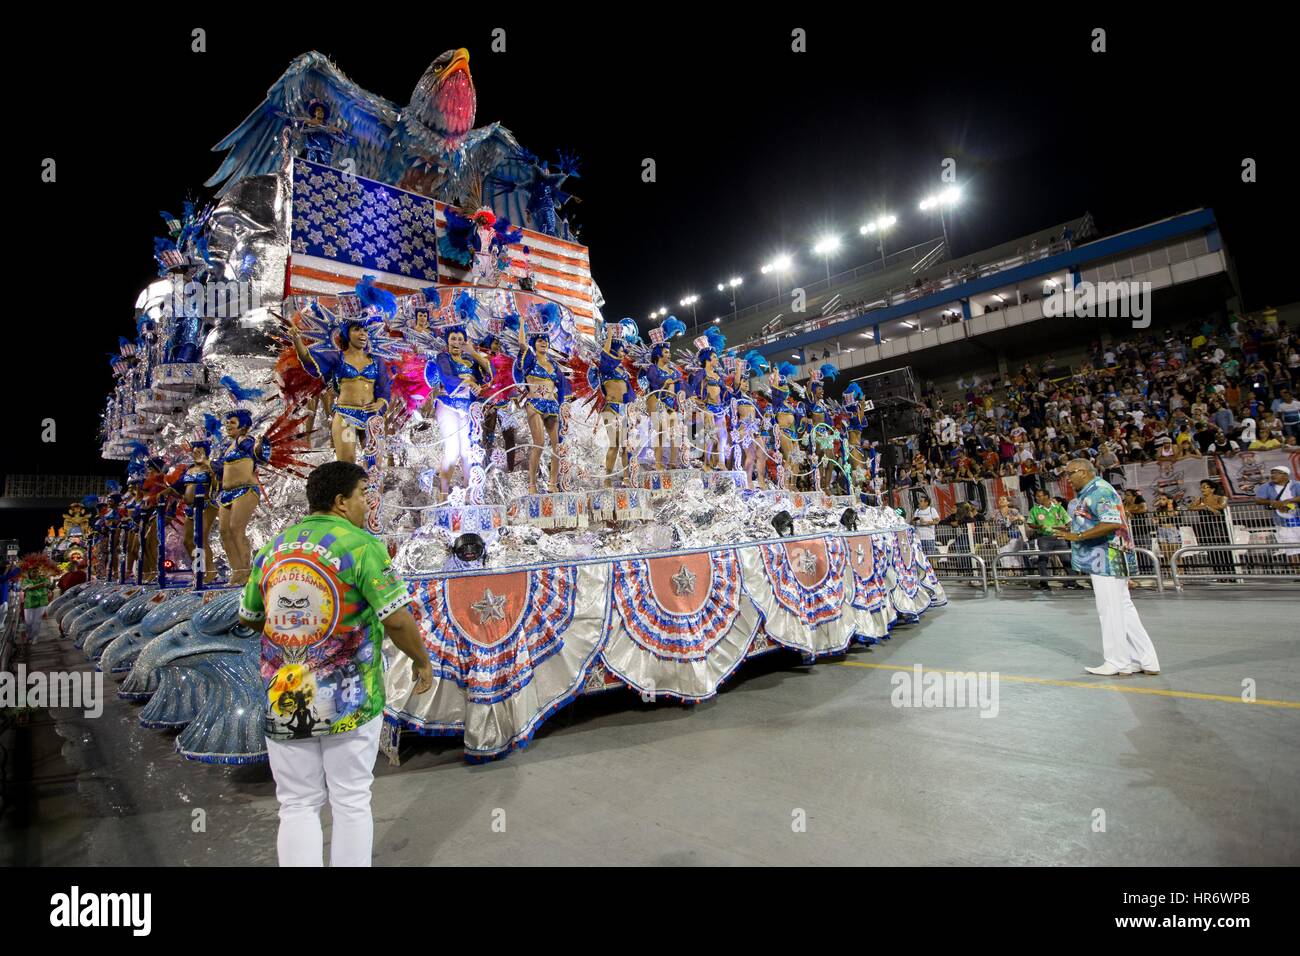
{"points": [[172, 258], [560, 271], [656, 336], [346, 227], [730, 362], [814, 376], [702, 342]]}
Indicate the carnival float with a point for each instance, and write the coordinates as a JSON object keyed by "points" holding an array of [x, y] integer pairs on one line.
{"points": [[575, 509]]}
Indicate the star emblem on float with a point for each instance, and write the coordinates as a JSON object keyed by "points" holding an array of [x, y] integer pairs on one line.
{"points": [[491, 608], [806, 562], [683, 582]]}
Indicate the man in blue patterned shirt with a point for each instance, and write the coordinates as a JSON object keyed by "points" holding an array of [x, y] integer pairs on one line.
{"points": [[1098, 542]]}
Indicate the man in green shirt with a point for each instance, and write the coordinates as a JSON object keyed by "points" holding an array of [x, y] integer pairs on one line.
{"points": [[1045, 516], [323, 594], [36, 593]]}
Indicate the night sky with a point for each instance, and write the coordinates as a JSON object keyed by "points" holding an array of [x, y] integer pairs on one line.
{"points": [[758, 149]]}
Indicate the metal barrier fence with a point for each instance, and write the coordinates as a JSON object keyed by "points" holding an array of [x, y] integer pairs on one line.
{"points": [[1249, 562], [1243, 542], [10, 614], [1148, 568]]}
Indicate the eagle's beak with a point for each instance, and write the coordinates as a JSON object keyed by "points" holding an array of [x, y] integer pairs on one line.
{"points": [[458, 62]]}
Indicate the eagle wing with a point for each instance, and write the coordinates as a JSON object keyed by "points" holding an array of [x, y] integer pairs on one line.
{"points": [[362, 123]]}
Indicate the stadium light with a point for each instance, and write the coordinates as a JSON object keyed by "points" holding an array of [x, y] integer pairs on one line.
{"points": [[879, 225], [691, 300], [941, 200], [778, 265], [731, 284], [826, 247]]}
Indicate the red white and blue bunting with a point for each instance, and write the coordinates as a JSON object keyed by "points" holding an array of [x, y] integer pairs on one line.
{"points": [[510, 648], [681, 625]]}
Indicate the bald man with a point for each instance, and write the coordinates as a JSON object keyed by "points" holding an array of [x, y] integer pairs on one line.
{"points": [[1096, 521]]}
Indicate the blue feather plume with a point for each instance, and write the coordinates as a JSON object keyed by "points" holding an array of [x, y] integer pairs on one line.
{"points": [[757, 362], [673, 327], [717, 341], [370, 295], [240, 393], [90, 501], [788, 370], [466, 307], [211, 424], [829, 372], [113, 486], [550, 313], [511, 322], [853, 391]]}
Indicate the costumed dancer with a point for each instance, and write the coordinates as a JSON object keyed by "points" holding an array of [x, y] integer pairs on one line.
{"points": [[132, 505], [236, 469], [463, 374], [501, 391], [709, 390], [615, 383], [548, 389], [786, 415], [152, 491], [358, 379], [821, 436], [855, 456], [664, 403], [749, 430], [200, 479]]}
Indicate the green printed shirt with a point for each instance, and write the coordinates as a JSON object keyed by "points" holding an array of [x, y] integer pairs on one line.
{"points": [[318, 592], [36, 591], [1051, 516]]}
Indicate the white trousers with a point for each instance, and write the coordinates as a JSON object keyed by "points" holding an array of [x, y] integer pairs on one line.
{"points": [[1124, 641], [340, 767], [35, 618], [454, 427]]}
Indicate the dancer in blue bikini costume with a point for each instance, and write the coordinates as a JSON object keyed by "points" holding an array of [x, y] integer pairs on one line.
{"points": [[236, 469], [615, 383], [359, 380], [200, 479], [547, 391], [709, 390], [664, 403]]}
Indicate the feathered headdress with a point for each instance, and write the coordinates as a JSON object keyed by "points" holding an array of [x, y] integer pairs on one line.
{"points": [[757, 362], [466, 307], [787, 370], [672, 327], [379, 303], [829, 372]]}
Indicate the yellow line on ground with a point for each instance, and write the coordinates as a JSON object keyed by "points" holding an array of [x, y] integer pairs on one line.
{"points": [[1086, 685]]}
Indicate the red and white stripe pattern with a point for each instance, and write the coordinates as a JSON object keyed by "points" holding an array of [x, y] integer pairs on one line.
{"points": [[561, 271]]}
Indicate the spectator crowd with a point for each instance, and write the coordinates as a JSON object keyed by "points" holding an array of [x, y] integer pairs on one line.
{"points": [[1210, 388]]}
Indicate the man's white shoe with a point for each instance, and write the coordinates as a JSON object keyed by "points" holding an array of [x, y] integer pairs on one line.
{"points": [[1110, 670]]}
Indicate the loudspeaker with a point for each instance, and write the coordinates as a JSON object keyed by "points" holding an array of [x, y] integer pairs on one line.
{"points": [[896, 383]]}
